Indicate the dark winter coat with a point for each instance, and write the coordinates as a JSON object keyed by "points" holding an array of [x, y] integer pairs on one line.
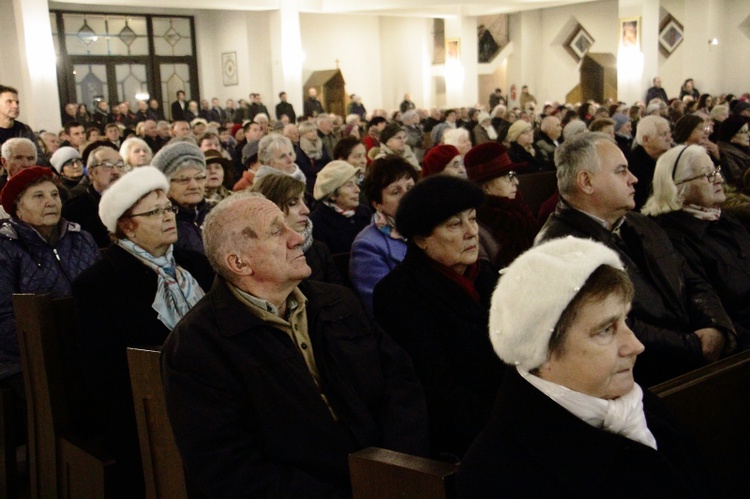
{"points": [[83, 209], [336, 230], [533, 163], [642, 166], [444, 330], [322, 265], [671, 301], [720, 253], [511, 226], [247, 416], [29, 264], [533, 447], [189, 226]]}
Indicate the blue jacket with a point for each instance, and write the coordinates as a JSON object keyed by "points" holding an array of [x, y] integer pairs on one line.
{"points": [[28, 264], [374, 254]]}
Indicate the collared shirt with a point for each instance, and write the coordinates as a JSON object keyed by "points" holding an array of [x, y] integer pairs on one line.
{"points": [[610, 227], [294, 325]]}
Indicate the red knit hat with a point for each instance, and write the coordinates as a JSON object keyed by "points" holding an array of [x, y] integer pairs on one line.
{"points": [[437, 159], [18, 183], [488, 161]]}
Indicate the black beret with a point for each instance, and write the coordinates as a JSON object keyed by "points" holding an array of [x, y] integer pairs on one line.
{"points": [[730, 126], [433, 201]]}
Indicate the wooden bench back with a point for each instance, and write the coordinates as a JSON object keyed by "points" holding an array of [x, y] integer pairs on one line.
{"points": [[385, 474], [60, 462], [162, 464], [713, 403]]}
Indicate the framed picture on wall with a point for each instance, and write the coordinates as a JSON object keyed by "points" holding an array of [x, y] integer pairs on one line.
{"points": [[452, 49], [630, 32], [578, 43], [229, 68], [670, 35]]}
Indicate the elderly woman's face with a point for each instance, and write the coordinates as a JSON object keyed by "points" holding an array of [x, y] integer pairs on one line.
{"points": [[282, 158], [347, 197], [214, 175], [297, 212], [358, 156], [598, 352], [699, 135], [139, 155], [526, 137], [397, 143], [742, 137], [455, 167], [392, 195], [455, 242], [186, 187], [702, 191], [40, 205], [72, 169], [503, 187], [463, 145], [152, 225], [211, 144]]}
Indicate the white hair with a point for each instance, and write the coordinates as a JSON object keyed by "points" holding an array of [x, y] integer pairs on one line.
{"points": [[666, 195]]}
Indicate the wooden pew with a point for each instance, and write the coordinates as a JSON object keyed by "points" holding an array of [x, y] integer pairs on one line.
{"points": [[713, 403], [162, 464], [385, 474], [62, 464], [12, 434], [537, 188]]}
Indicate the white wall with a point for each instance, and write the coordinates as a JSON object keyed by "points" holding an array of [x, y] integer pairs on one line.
{"points": [[406, 54]]}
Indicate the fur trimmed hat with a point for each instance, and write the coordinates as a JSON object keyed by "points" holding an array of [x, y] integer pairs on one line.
{"points": [[62, 156], [434, 200], [18, 183], [535, 290], [730, 126], [516, 129], [488, 161], [437, 158], [332, 176], [123, 194], [173, 157]]}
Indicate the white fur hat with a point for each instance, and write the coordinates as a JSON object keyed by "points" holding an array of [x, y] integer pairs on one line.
{"points": [[535, 290], [128, 189], [62, 156]]}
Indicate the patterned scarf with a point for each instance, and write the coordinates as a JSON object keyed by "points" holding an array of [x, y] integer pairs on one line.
{"points": [[335, 207], [387, 225], [622, 416], [307, 234], [177, 292], [702, 213]]}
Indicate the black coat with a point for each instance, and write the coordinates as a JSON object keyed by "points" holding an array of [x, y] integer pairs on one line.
{"points": [[113, 311], [533, 163], [249, 420], [671, 301], [84, 210], [444, 330], [283, 108], [336, 230], [642, 165], [720, 253], [322, 265], [535, 448], [178, 113]]}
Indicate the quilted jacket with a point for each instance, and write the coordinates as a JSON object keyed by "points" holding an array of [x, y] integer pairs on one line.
{"points": [[28, 264]]}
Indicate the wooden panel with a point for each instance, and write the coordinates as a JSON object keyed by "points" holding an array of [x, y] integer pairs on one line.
{"points": [[384, 474]]}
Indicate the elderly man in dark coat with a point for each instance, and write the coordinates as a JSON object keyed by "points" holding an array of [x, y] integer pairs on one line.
{"points": [[676, 314], [270, 381]]}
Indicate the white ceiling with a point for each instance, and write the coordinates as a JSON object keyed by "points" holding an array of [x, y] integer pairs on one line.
{"points": [[417, 8]]}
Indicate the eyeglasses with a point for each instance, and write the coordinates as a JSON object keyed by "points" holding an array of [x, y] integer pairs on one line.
{"points": [[107, 165], [743, 132], [73, 162], [711, 176], [157, 212], [511, 175], [186, 180]]}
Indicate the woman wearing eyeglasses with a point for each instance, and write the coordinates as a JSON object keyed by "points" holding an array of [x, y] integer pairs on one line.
{"points": [[68, 164], [184, 164], [688, 192], [507, 226], [40, 252], [734, 144], [691, 129], [134, 296]]}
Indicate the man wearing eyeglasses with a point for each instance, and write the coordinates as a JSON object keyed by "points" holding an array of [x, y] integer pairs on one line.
{"points": [[185, 166], [104, 167], [675, 314]]}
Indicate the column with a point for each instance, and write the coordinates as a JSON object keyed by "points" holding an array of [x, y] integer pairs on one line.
{"points": [[461, 78], [637, 66], [286, 53]]}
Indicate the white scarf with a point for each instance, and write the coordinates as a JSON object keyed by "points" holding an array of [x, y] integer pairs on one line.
{"points": [[491, 133], [702, 213], [622, 416], [270, 170], [313, 149]]}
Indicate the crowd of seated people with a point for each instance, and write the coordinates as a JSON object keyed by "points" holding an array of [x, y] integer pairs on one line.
{"points": [[261, 221]]}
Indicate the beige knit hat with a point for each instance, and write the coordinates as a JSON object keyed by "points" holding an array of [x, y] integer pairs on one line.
{"points": [[332, 176], [516, 129]]}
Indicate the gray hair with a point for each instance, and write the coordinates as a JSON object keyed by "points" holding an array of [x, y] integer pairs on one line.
{"points": [[548, 122], [719, 109], [130, 144], [667, 196], [224, 233], [321, 118], [260, 116], [573, 128], [408, 116], [576, 155], [270, 143], [352, 118], [306, 126], [10, 145], [647, 127], [91, 161], [451, 136]]}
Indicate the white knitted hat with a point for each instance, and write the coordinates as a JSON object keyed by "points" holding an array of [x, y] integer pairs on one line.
{"points": [[128, 189], [62, 156], [535, 290]]}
